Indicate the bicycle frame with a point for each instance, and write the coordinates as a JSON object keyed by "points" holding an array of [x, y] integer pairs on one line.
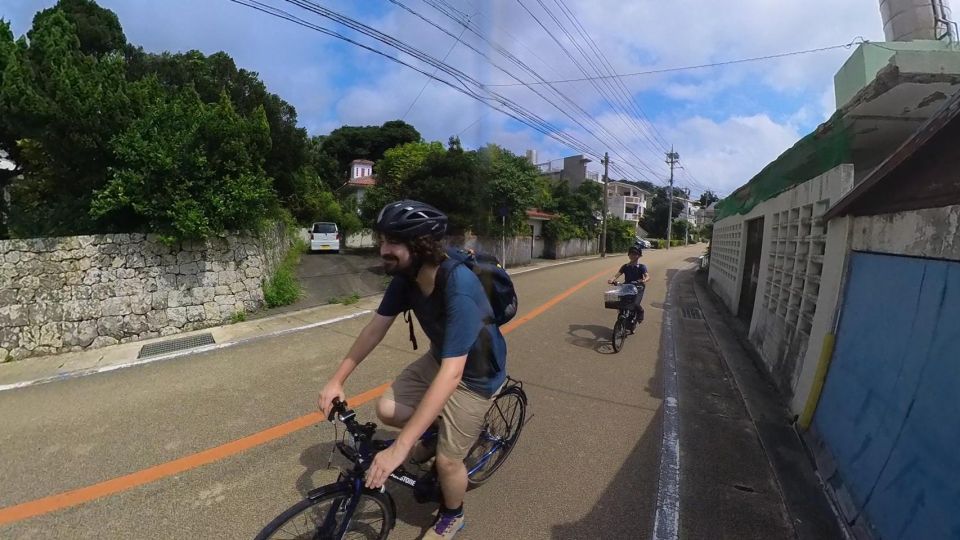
{"points": [[365, 447]]}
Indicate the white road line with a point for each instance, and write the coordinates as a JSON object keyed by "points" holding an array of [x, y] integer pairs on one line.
{"points": [[666, 525], [188, 352]]}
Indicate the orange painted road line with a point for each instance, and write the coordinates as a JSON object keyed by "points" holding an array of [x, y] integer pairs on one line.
{"points": [[123, 483], [74, 497], [537, 311]]}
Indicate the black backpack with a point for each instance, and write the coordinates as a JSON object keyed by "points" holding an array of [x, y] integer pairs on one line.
{"points": [[495, 280]]}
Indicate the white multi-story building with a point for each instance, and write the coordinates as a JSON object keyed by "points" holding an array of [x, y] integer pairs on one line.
{"points": [[689, 211], [626, 201]]}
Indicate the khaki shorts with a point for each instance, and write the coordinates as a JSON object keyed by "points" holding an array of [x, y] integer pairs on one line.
{"points": [[462, 415]]}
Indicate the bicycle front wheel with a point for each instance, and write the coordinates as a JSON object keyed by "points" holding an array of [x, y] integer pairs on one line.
{"points": [[332, 515], [619, 334]]}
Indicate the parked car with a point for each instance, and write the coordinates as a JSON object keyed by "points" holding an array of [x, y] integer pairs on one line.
{"points": [[643, 242], [325, 236]]}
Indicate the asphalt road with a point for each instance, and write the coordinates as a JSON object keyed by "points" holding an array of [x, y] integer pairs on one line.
{"points": [[325, 277], [586, 465]]}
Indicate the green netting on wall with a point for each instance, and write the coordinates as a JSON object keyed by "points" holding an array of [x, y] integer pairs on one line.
{"points": [[828, 146]]}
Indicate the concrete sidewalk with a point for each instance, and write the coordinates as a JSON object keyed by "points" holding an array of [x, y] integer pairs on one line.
{"points": [[745, 472], [43, 369]]}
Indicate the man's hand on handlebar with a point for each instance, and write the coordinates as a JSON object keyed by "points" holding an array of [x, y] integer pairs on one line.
{"points": [[333, 390]]}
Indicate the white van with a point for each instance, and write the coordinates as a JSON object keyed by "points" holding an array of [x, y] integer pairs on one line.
{"points": [[325, 236]]}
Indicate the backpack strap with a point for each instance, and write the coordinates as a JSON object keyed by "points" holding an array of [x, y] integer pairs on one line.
{"points": [[409, 320], [443, 274]]}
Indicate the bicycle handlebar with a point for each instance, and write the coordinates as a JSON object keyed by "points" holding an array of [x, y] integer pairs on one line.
{"points": [[341, 413], [338, 410]]}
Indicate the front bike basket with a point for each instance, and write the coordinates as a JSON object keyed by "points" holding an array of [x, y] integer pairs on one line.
{"points": [[622, 296]]}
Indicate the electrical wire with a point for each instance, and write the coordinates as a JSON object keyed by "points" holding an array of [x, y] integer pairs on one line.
{"points": [[515, 112], [700, 66], [589, 118], [427, 82]]}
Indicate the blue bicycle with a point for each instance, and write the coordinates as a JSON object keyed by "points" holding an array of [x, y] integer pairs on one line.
{"points": [[346, 509]]}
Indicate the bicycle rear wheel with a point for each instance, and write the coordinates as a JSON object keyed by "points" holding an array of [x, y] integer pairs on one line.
{"points": [[328, 516], [619, 334], [501, 430]]}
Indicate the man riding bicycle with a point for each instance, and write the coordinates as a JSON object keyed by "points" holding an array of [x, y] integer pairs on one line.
{"points": [[634, 272], [456, 379]]}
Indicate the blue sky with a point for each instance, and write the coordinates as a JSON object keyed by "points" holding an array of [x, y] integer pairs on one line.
{"points": [[726, 122]]}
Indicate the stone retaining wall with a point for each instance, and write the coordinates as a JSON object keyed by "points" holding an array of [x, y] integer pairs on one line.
{"points": [[73, 293]]}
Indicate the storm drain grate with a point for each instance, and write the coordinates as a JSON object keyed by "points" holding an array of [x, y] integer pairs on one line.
{"points": [[178, 344], [691, 313]]}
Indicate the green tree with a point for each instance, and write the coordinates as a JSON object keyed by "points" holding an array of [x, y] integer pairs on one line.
{"points": [[583, 206], [511, 183], [348, 143], [453, 182], [561, 229], [8, 135], [707, 198], [97, 29], [655, 220], [187, 169], [216, 74], [680, 229], [59, 108], [620, 234], [394, 173]]}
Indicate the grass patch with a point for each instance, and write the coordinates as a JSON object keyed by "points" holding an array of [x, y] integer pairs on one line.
{"points": [[239, 316], [345, 300], [283, 288]]}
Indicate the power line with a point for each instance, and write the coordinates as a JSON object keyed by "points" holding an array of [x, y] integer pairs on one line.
{"points": [[516, 61], [427, 82], [516, 112], [462, 83], [575, 62], [640, 119], [475, 122], [699, 66]]}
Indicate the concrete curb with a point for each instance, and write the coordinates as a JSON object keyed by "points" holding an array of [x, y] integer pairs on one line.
{"points": [[188, 352]]}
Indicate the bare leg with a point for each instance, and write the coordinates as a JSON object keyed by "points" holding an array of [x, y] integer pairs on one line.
{"points": [[453, 480], [392, 413]]}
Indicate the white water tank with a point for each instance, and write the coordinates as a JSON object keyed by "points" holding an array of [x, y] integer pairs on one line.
{"points": [[907, 20]]}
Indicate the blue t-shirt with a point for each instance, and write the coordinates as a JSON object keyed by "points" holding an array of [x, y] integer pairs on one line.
{"points": [[633, 272], [458, 321]]}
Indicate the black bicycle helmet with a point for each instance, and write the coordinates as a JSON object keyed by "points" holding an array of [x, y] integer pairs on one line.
{"points": [[635, 249], [409, 219]]}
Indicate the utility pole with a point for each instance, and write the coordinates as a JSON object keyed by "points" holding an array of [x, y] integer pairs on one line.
{"points": [[603, 235], [672, 158]]}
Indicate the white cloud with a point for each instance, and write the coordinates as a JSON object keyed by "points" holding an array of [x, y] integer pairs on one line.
{"points": [[727, 122], [730, 152]]}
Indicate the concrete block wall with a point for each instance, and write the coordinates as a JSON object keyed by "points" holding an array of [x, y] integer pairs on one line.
{"points": [[801, 270], [576, 247], [521, 250], [726, 260], [73, 293]]}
